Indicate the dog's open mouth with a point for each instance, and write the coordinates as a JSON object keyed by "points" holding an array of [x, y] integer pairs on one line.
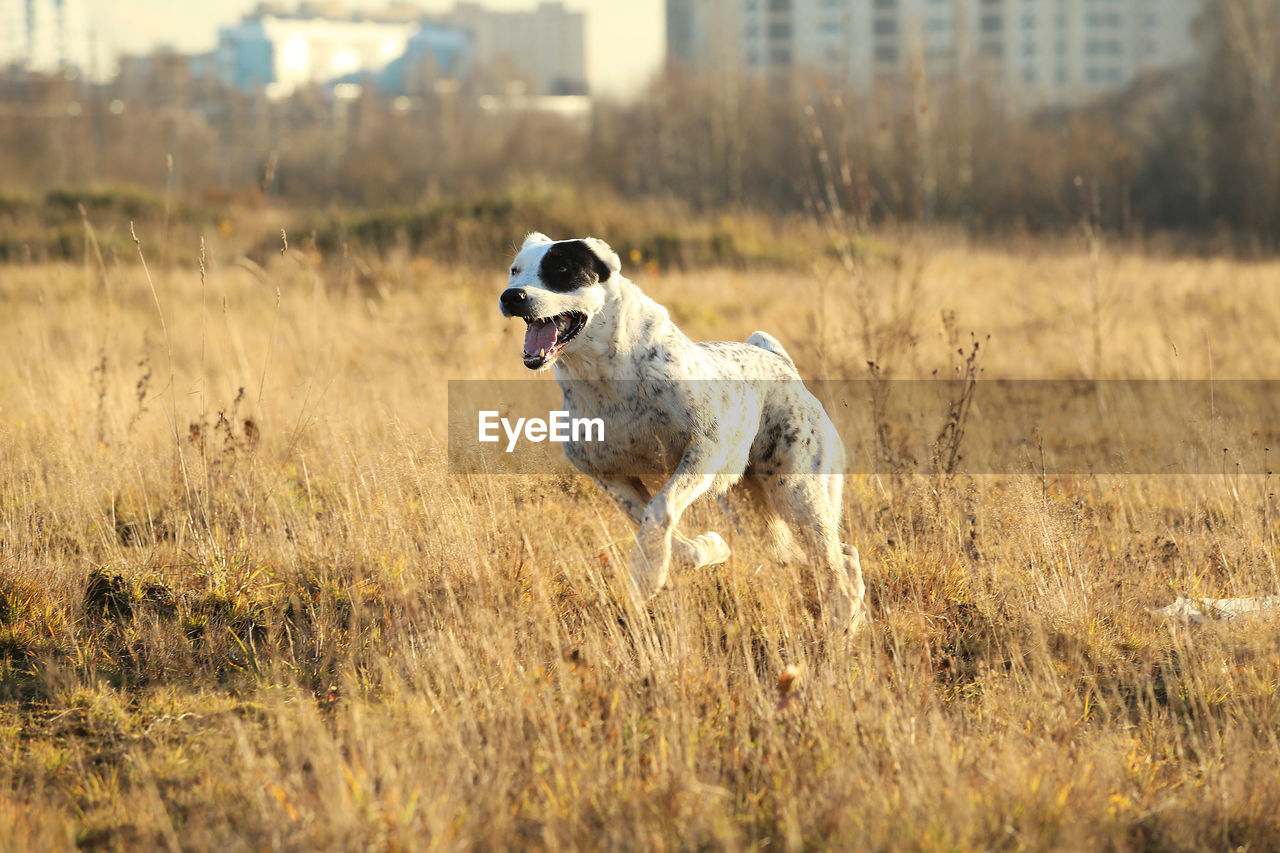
{"points": [[546, 337]]}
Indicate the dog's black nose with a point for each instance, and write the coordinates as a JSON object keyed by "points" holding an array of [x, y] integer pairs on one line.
{"points": [[513, 299]]}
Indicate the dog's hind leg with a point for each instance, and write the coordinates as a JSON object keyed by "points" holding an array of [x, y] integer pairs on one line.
{"points": [[805, 503], [781, 541], [852, 562]]}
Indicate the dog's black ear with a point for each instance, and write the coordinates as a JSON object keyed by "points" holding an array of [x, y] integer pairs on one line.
{"points": [[609, 263], [535, 238]]}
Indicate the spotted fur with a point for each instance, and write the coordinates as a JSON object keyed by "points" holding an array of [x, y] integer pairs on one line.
{"points": [[698, 417]]}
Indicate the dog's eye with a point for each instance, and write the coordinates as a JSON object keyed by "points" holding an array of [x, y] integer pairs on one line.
{"points": [[514, 271], [562, 269]]}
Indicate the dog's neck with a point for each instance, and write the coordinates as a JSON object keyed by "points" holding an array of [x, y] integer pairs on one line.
{"points": [[625, 338]]}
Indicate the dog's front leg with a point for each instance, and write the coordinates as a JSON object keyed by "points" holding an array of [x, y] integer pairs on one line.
{"points": [[651, 557], [630, 495]]}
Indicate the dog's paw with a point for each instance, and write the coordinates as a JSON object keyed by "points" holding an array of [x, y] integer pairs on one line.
{"points": [[712, 549], [650, 564]]}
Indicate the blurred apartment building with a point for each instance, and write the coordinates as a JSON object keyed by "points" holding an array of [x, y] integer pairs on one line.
{"points": [[44, 36], [542, 47], [1042, 52], [401, 50]]}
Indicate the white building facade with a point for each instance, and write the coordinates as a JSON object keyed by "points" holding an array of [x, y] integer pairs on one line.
{"points": [[1043, 52], [540, 52]]}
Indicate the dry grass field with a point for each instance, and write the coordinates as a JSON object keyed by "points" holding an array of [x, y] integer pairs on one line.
{"points": [[243, 605]]}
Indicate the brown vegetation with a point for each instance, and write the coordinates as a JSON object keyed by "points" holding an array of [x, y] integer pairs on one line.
{"points": [[243, 605]]}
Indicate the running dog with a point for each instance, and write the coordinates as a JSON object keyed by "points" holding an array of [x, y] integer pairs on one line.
{"points": [[697, 417]]}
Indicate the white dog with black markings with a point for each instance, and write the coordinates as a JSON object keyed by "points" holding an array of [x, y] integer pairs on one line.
{"points": [[697, 417]]}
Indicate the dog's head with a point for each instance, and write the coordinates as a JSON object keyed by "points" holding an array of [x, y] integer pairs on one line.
{"points": [[556, 287]]}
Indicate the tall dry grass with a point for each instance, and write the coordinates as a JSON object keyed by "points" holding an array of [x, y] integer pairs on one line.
{"points": [[243, 605]]}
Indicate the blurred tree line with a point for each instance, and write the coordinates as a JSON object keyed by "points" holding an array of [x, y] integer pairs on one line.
{"points": [[1196, 149]]}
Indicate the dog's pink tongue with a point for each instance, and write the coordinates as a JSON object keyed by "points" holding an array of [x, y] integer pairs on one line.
{"points": [[540, 335]]}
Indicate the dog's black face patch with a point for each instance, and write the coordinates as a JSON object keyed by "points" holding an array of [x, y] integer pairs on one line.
{"points": [[571, 265]]}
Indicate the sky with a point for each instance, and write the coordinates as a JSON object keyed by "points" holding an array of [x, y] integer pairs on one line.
{"points": [[624, 37]]}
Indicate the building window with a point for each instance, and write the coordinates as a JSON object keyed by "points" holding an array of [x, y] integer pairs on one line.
{"points": [[780, 56], [830, 28], [780, 30], [1102, 19], [939, 25], [886, 27], [885, 4], [1029, 49], [992, 23], [992, 50], [780, 6], [1102, 47], [1029, 76], [886, 53]]}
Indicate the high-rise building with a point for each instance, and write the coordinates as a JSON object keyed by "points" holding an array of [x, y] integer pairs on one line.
{"points": [[705, 34], [45, 35], [1041, 51], [541, 48]]}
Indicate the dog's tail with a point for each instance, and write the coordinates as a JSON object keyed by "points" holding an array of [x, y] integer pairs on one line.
{"points": [[766, 341]]}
